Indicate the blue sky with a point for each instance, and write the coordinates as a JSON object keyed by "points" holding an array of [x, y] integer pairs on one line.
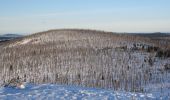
{"points": [[29, 16]]}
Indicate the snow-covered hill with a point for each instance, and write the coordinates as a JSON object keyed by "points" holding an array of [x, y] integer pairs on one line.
{"points": [[87, 58]]}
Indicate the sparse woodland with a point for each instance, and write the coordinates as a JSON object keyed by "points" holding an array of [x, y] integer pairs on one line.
{"points": [[86, 58]]}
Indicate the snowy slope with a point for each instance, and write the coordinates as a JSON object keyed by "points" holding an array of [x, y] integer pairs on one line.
{"points": [[61, 92], [86, 58]]}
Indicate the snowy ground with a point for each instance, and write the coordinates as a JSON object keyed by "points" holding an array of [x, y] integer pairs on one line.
{"points": [[61, 92]]}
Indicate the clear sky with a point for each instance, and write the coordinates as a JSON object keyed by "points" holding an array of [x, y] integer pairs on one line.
{"points": [[29, 16]]}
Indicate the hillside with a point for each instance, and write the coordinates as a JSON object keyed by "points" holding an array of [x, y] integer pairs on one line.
{"points": [[87, 58]]}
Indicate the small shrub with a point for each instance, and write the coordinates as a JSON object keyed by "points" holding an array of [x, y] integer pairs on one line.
{"points": [[167, 53], [167, 67], [150, 61], [152, 49], [159, 54], [164, 54]]}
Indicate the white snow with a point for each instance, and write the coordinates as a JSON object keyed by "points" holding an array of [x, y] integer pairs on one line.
{"points": [[62, 92], [25, 41], [22, 86]]}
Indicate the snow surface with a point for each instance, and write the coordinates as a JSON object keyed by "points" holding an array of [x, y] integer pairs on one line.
{"points": [[25, 41], [62, 92]]}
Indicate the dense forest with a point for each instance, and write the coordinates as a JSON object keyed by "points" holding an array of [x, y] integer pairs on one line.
{"points": [[87, 58]]}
